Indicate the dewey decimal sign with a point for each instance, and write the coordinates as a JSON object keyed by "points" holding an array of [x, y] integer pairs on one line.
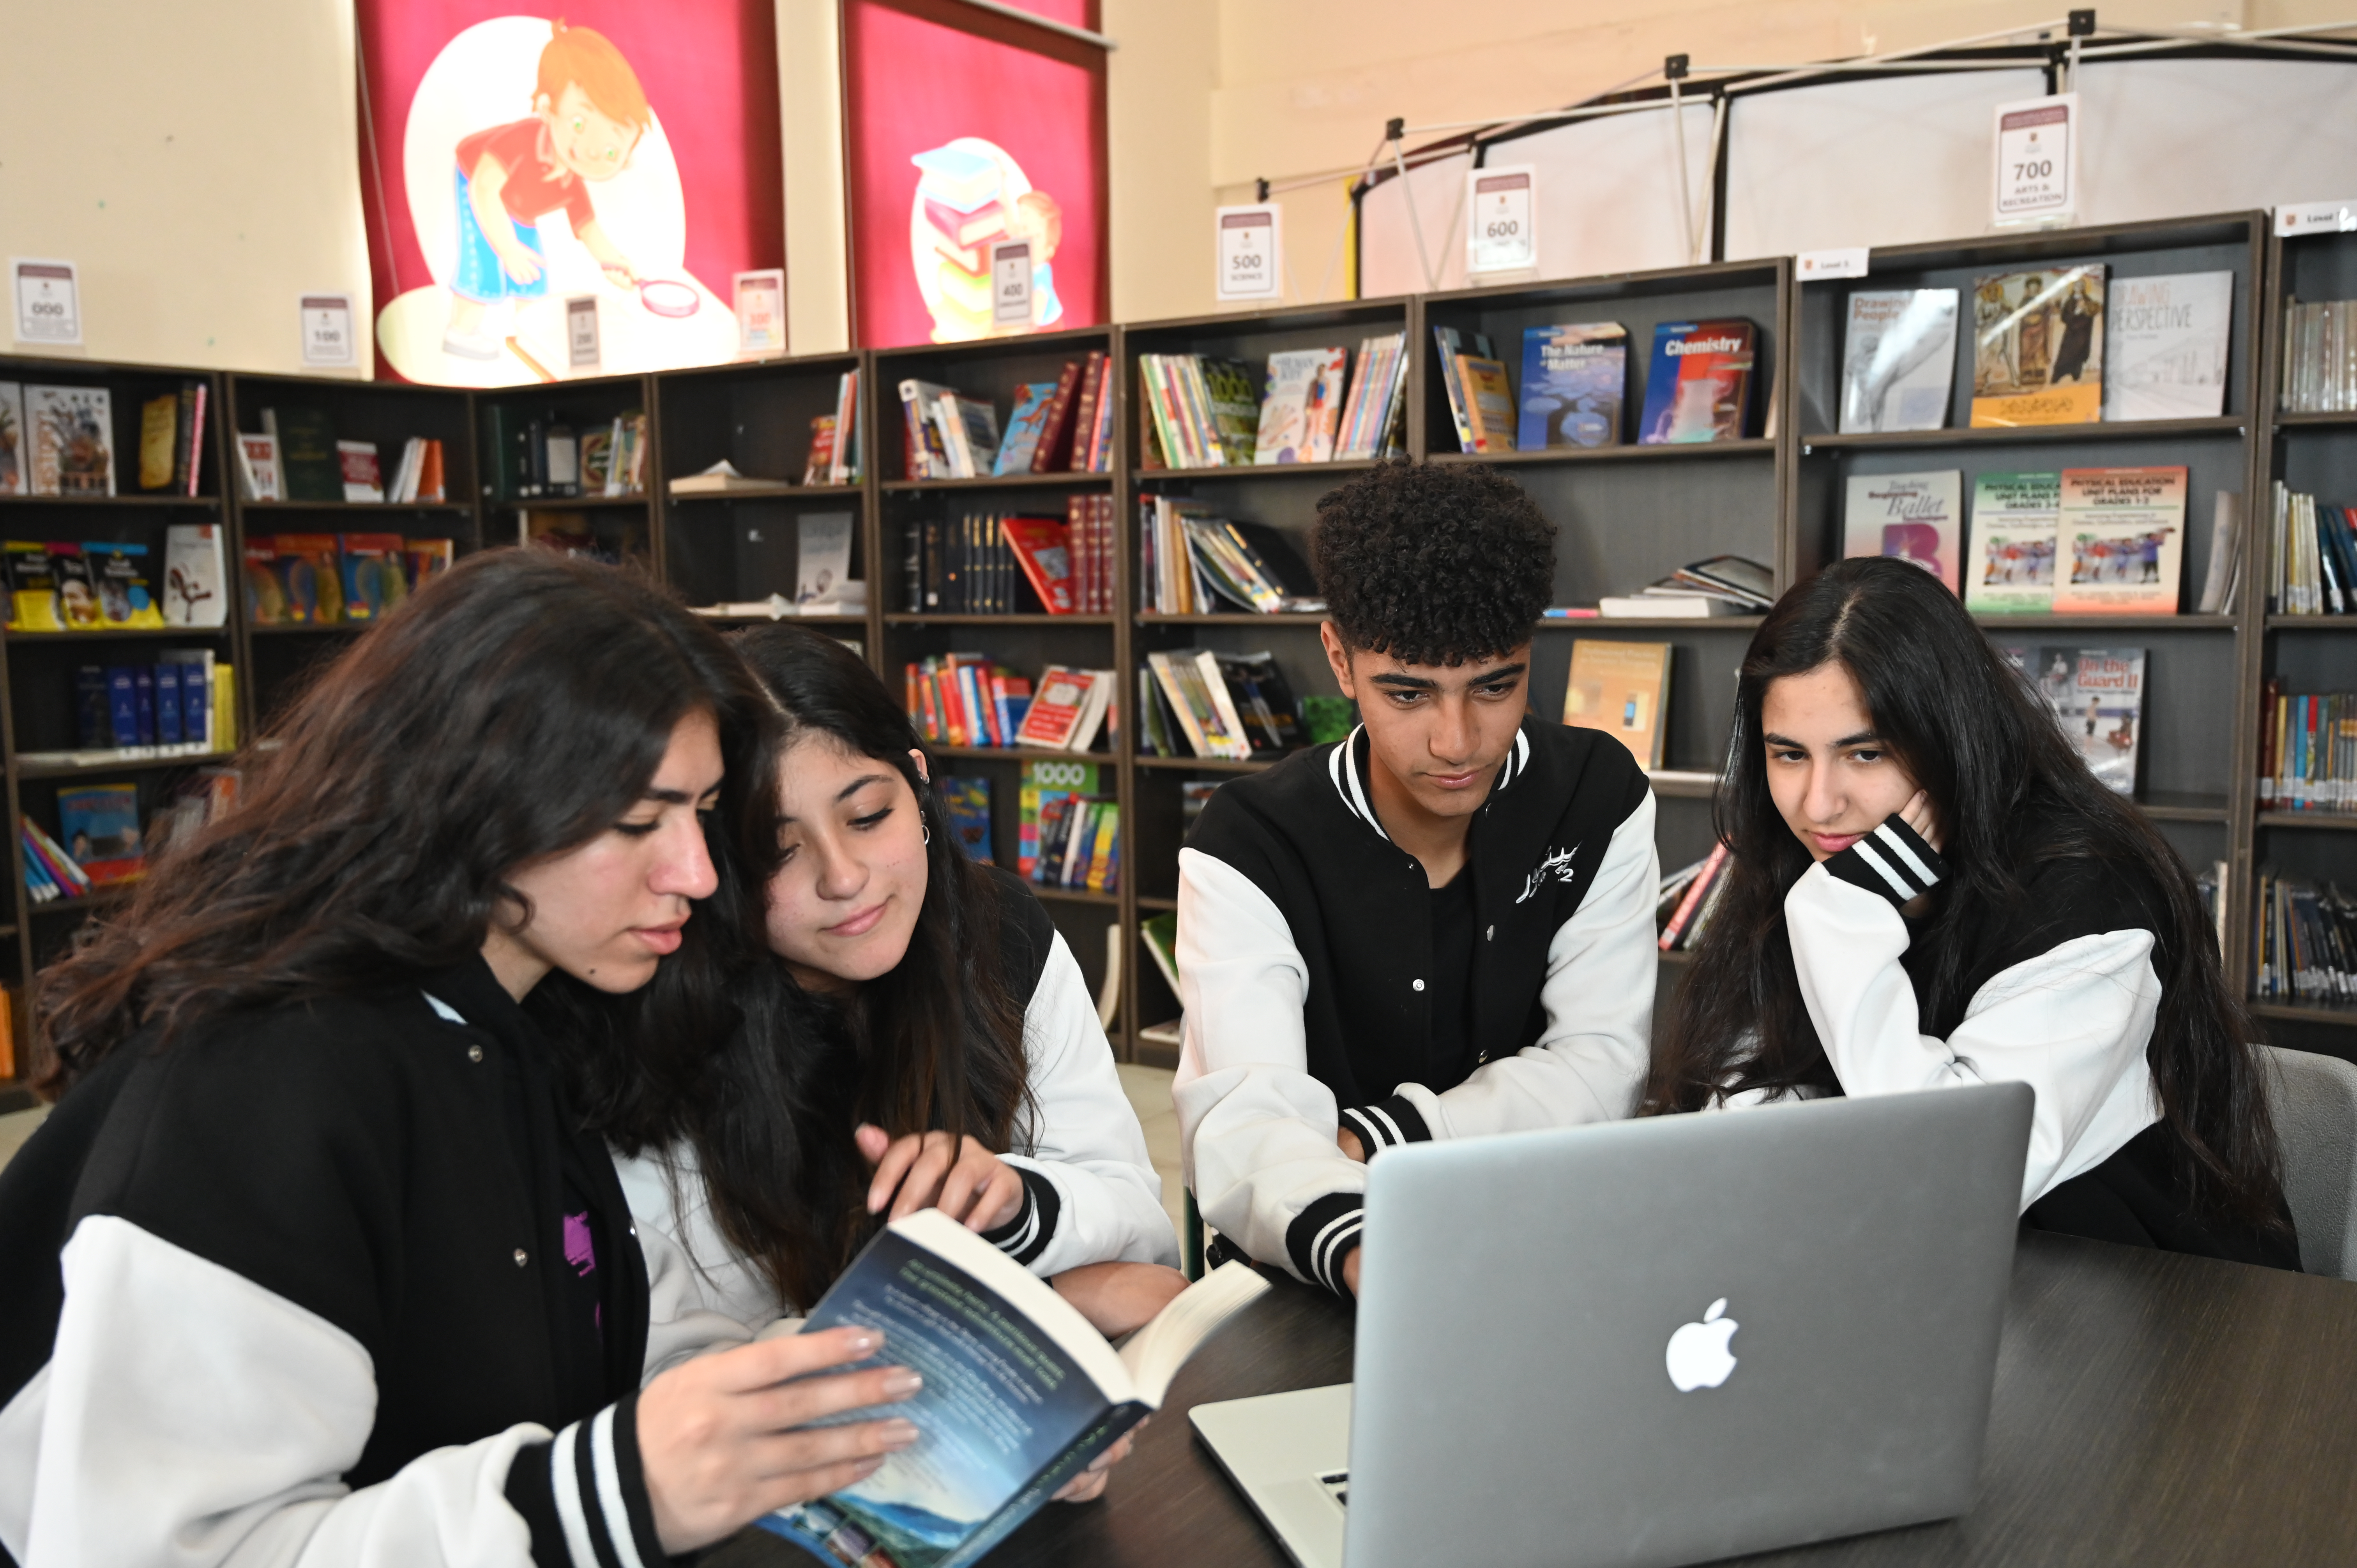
{"points": [[1501, 231], [2036, 172], [1010, 283], [1251, 266]]}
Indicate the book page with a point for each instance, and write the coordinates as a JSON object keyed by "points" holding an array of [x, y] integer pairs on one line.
{"points": [[1156, 1352]]}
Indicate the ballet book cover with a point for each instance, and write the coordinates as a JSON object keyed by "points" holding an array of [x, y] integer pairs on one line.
{"points": [[1020, 1393], [1914, 517], [2038, 347], [1899, 360], [2123, 541], [1698, 386], [2016, 521]]}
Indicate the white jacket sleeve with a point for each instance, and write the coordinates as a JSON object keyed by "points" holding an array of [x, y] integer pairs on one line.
{"points": [[702, 1295], [2071, 1022], [1589, 1063], [1085, 1144], [1256, 1130], [189, 1417]]}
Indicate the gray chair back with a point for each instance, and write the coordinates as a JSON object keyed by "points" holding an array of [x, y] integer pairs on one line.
{"points": [[2314, 1099]]}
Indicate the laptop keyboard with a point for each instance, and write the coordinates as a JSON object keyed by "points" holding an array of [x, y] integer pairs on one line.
{"points": [[1338, 1486]]}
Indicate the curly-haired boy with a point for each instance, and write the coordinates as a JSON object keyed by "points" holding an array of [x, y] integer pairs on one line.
{"points": [[1438, 927]]}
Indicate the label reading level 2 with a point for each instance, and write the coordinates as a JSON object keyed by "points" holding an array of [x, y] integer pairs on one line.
{"points": [[1501, 228], [2036, 172], [1251, 264], [327, 329], [48, 305]]}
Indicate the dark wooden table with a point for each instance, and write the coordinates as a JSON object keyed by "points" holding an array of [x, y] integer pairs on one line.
{"points": [[2150, 1408]]}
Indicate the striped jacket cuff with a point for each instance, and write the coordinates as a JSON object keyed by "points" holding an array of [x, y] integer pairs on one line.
{"points": [[585, 1495], [1325, 1234], [1892, 862], [1025, 1236], [1387, 1123]]}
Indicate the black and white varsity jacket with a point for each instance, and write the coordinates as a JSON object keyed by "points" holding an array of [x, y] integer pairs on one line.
{"points": [[1305, 941], [296, 1289], [1090, 1194], [2063, 1000]]}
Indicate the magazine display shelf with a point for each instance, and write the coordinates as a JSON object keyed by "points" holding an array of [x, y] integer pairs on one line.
{"points": [[2317, 454]]}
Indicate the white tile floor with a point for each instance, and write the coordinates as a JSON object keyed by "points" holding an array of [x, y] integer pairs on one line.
{"points": [[1148, 1088]]}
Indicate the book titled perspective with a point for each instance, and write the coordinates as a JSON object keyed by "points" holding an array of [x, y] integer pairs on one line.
{"points": [[1698, 386], [1020, 1393], [1622, 689], [2166, 354], [1899, 360], [1914, 517], [1575, 377], [2038, 347], [2122, 544]]}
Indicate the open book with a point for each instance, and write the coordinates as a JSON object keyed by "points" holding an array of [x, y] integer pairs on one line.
{"points": [[1020, 1392]]}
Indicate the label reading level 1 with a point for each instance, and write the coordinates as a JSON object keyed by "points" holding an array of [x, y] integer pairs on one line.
{"points": [[1247, 254], [2036, 172], [48, 305], [2316, 218], [1501, 228], [327, 329], [1010, 283], [581, 332]]}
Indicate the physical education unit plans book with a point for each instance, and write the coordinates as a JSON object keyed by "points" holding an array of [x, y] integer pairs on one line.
{"points": [[1020, 1393]]}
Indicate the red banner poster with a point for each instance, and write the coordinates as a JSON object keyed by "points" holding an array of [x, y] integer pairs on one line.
{"points": [[963, 129], [625, 153]]}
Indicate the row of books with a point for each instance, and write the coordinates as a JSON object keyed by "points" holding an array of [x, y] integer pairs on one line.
{"points": [[2314, 563], [540, 454], [1721, 586], [994, 563], [182, 704], [331, 579], [1575, 386], [2076, 542], [2305, 942], [1190, 561], [2320, 350], [98, 843], [1195, 702], [266, 472], [2308, 751], [59, 440], [1201, 411], [965, 699], [102, 585], [2051, 346], [1064, 425], [834, 438], [1687, 900], [1068, 829]]}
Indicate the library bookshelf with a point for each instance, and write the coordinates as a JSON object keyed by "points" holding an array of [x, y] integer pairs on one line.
{"points": [[1627, 515]]}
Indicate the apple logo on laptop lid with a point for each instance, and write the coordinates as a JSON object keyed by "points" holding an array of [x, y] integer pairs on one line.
{"points": [[1697, 1357]]}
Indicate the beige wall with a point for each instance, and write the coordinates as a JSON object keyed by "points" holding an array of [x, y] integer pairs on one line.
{"points": [[200, 168], [210, 173]]}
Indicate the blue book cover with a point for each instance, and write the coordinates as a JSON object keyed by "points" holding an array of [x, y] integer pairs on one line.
{"points": [[143, 696], [1698, 383], [1025, 427], [99, 828], [122, 705], [1020, 1393], [168, 704], [1575, 377], [197, 703], [968, 801]]}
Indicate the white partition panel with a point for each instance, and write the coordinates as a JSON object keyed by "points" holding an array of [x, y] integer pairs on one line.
{"points": [[1889, 161], [2170, 138], [1608, 190], [1387, 254]]}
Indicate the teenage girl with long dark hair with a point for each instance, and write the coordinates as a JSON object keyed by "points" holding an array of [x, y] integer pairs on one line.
{"points": [[908, 1031], [314, 1259], [1928, 888]]}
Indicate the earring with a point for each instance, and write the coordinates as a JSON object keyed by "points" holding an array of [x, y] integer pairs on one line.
{"points": [[929, 830]]}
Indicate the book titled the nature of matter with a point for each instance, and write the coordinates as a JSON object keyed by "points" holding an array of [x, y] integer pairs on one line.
{"points": [[1020, 1393], [1915, 517]]}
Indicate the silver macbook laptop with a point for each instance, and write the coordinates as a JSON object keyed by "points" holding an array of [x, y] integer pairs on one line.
{"points": [[1656, 1342]]}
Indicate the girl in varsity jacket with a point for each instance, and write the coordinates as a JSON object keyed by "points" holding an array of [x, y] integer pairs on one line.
{"points": [[1929, 887], [314, 1260], [905, 1029]]}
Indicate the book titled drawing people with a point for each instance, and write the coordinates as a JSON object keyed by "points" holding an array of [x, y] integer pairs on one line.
{"points": [[1020, 1393]]}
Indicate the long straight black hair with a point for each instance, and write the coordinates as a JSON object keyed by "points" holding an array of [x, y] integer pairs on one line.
{"points": [[514, 709], [1971, 732], [936, 1044]]}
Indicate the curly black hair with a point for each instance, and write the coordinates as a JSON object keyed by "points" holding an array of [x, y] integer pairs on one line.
{"points": [[1434, 563]]}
